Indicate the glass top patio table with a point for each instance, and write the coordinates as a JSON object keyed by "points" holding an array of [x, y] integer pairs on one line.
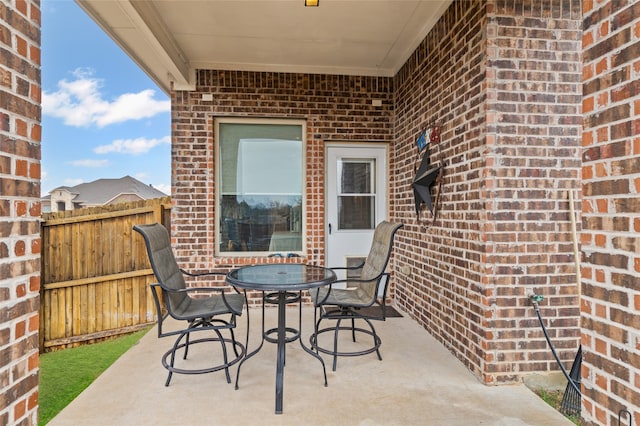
{"points": [[283, 278]]}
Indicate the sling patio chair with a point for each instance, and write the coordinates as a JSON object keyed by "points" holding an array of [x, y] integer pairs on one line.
{"points": [[212, 309], [348, 300]]}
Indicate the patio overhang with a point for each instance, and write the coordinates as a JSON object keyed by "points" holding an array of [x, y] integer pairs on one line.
{"points": [[169, 40]]}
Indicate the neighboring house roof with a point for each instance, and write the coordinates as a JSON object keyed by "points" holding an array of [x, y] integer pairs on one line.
{"points": [[103, 191]]}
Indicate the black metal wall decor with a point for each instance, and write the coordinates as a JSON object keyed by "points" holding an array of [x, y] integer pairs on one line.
{"points": [[426, 174]]}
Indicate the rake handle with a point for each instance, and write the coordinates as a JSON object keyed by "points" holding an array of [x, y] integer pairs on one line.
{"points": [[574, 235]]}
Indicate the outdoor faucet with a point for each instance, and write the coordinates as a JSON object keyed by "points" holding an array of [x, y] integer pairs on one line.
{"points": [[535, 299]]}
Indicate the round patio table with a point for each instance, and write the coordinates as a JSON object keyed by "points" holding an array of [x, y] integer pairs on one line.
{"points": [[286, 281]]}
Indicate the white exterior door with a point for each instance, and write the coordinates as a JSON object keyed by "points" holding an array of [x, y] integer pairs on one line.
{"points": [[356, 200]]}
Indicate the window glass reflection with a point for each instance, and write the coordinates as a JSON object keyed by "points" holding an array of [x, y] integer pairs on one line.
{"points": [[261, 187]]}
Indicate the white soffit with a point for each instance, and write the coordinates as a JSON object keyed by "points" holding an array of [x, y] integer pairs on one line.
{"points": [[170, 39]]}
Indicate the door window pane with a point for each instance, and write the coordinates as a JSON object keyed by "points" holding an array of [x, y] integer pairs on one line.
{"points": [[356, 178], [356, 195], [355, 212], [261, 187]]}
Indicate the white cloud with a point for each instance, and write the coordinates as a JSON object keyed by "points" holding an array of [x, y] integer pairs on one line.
{"points": [[132, 146], [142, 176], [73, 182], [133, 106], [79, 103], [89, 163], [164, 188]]}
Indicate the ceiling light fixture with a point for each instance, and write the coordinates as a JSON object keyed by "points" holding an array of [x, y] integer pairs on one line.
{"points": [[311, 3]]}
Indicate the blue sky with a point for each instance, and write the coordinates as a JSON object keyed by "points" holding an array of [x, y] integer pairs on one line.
{"points": [[102, 117]]}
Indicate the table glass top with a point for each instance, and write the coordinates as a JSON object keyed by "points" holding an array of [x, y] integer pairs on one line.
{"points": [[281, 276]]}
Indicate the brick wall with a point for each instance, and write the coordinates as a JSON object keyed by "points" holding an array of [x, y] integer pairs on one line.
{"points": [[611, 211], [336, 108], [534, 123], [20, 134], [503, 82], [441, 83]]}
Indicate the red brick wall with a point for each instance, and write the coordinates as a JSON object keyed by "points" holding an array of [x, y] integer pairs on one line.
{"points": [[503, 82], [611, 211], [336, 108], [20, 134], [441, 264]]}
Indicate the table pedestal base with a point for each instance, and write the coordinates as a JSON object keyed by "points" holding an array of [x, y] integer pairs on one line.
{"points": [[284, 335]]}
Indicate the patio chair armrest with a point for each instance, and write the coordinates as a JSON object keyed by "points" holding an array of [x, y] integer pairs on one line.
{"points": [[377, 278], [201, 289], [319, 302], [207, 273], [245, 301], [360, 280], [329, 288], [190, 289], [201, 274], [222, 291], [348, 268]]}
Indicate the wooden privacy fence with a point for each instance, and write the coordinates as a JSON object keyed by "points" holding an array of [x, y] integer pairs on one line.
{"points": [[95, 272]]}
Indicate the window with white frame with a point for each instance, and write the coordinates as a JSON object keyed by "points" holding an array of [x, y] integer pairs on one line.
{"points": [[260, 191]]}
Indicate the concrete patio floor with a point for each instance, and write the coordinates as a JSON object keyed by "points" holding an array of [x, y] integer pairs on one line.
{"points": [[418, 382]]}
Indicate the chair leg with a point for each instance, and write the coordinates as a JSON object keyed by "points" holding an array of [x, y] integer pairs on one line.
{"points": [[313, 340], [233, 339], [192, 324], [186, 347], [173, 355], [335, 345], [353, 329], [376, 339], [225, 357]]}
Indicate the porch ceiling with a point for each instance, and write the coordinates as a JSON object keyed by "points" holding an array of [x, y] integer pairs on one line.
{"points": [[169, 40]]}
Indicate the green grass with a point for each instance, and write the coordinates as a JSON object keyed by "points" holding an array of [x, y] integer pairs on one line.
{"points": [[66, 373], [554, 399]]}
